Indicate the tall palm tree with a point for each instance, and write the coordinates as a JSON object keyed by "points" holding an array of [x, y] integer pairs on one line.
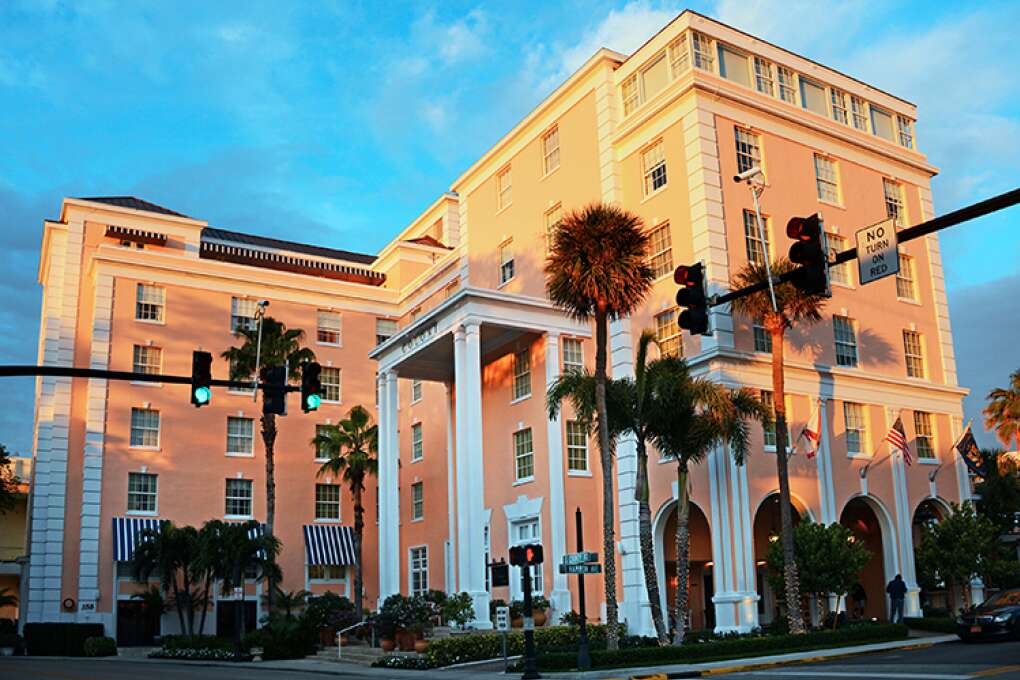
{"points": [[279, 346], [352, 445], [793, 308], [1003, 411], [597, 269], [688, 417], [175, 554]]}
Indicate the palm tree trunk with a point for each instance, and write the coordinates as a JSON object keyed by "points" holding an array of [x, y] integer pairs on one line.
{"points": [[790, 576], [177, 602], [204, 604], [647, 549], [606, 458], [269, 440], [359, 527], [239, 616], [189, 600], [683, 554]]}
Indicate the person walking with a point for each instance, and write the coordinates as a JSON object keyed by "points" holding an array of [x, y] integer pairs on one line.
{"points": [[897, 590]]}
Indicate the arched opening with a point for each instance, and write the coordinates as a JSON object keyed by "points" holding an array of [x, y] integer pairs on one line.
{"points": [[869, 524], [701, 609], [768, 526], [933, 596]]}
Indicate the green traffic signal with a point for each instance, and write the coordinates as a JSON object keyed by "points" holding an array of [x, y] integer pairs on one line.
{"points": [[202, 395], [312, 402]]}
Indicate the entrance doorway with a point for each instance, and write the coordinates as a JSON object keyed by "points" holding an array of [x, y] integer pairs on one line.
{"points": [[135, 627], [768, 527], [225, 610], [701, 611], [867, 599]]}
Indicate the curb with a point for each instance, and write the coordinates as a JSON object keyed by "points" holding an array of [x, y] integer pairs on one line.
{"points": [[811, 659]]}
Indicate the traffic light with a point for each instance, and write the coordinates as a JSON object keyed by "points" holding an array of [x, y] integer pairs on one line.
{"points": [[526, 555], [201, 378], [274, 390], [693, 297], [311, 387], [809, 251]]}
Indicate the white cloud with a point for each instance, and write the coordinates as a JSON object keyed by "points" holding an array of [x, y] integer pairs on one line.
{"points": [[456, 41], [623, 30]]}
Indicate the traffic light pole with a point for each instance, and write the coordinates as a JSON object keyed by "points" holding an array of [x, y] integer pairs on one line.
{"points": [[102, 374], [530, 670]]}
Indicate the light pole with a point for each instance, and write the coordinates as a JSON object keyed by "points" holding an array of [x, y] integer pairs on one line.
{"points": [[260, 313], [755, 180]]}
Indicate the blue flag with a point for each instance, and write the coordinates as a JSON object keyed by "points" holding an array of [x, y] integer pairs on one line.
{"points": [[971, 454]]}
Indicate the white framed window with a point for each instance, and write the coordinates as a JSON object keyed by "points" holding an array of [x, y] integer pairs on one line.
{"points": [[881, 124], [525, 532], [858, 113], [553, 216], [573, 355], [240, 436], [905, 279], [522, 374], [384, 330], [667, 334], [679, 56], [839, 111], [418, 565], [415, 391], [330, 380], [702, 50], [924, 437], [762, 338], [240, 390], [418, 501], [733, 65], [839, 273], [905, 127], [654, 76], [660, 245], [503, 189], [327, 573], [856, 428], [787, 86], [150, 303], [812, 96], [328, 327], [826, 179], [846, 341], [757, 250], [769, 431], [913, 354], [321, 450], [551, 150], [506, 262], [653, 164], [145, 427], [748, 149], [417, 442], [524, 455], [142, 491], [577, 447], [894, 207], [242, 314], [238, 498], [147, 359], [630, 94], [763, 81], [327, 501]]}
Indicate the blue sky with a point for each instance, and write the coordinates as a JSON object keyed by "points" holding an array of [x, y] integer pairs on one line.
{"points": [[337, 123]]}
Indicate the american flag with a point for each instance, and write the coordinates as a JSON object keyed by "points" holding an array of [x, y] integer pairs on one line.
{"points": [[898, 438]]}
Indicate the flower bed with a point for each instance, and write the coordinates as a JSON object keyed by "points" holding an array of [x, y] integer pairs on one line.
{"points": [[189, 654]]}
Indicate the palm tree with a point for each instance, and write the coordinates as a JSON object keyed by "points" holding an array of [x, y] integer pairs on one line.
{"points": [[175, 553], [687, 417], [351, 446], [289, 600], [598, 269], [1003, 411], [793, 307], [279, 346]]}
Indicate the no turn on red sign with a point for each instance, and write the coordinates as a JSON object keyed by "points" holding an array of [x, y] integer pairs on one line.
{"points": [[877, 254]]}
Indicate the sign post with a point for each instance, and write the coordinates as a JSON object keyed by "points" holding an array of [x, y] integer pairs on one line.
{"points": [[877, 252], [583, 655]]}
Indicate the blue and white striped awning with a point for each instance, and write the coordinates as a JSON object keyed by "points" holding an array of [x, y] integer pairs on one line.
{"points": [[127, 534], [329, 544]]}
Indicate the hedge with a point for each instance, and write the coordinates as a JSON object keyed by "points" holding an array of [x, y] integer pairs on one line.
{"points": [[935, 624], [178, 642], [482, 646], [60, 639], [100, 646]]}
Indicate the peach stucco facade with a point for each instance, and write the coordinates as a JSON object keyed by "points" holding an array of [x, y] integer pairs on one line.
{"points": [[446, 336]]}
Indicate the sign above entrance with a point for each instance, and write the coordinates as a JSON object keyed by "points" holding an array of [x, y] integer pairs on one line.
{"points": [[877, 253]]}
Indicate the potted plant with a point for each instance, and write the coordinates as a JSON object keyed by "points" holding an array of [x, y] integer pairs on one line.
{"points": [[322, 613], [539, 606], [458, 609], [516, 613]]}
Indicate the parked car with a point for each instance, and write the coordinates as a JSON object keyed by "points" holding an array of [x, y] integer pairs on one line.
{"points": [[998, 616]]}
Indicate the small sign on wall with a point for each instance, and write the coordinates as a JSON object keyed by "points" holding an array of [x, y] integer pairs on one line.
{"points": [[86, 606]]}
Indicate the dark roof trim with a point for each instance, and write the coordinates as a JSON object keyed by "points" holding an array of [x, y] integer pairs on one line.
{"points": [[288, 263], [266, 242], [135, 235], [132, 203]]}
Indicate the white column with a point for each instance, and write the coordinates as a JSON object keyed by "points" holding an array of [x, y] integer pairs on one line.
{"points": [[390, 557], [745, 570], [826, 489], [726, 598], [560, 595], [449, 566], [903, 533]]}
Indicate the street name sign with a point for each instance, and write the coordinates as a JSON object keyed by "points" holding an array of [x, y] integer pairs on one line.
{"points": [[877, 253], [580, 558], [580, 568]]}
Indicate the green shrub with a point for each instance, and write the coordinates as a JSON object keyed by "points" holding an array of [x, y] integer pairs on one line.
{"points": [[321, 610], [481, 646], [283, 638], [934, 624], [416, 663], [175, 642], [60, 639], [193, 654], [100, 646], [458, 609]]}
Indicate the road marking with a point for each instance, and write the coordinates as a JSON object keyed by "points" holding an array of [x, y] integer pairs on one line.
{"points": [[995, 671], [862, 674]]}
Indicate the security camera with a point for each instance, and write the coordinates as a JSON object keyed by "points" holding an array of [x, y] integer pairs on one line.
{"points": [[748, 175], [263, 303]]}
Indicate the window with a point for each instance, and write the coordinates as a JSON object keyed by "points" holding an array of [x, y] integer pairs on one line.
{"points": [[326, 572], [243, 390], [419, 564], [238, 496], [327, 501], [322, 450], [856, 431], [654, 165], [839, 273], [839, 112], [150, 303], [661, 247], [144, 427], [418, 501], [923, 436], [905, 279], [769, 432], [522, 374], [417, 443], [787, 91], [733, 66], [763, 77], [913, 354], [881, 124], [415, 391], [630, 94], [553, 217], [524, 456], [826, 179], [748, 152], [242, 314], [573, 355], [503, 187], [679, 56], [487, 543], [667, 334], [654, 76], [141, 492], [762, 338], [893, 192], [551, 150], [147, 359], [523, 533], [812, 96], [757, 249], [846, 341], [906, 130], [240, 436], [506, 262], [702, 51], [577, 447], [858, 113], [329, 328], [330, 380], [384, 330]]}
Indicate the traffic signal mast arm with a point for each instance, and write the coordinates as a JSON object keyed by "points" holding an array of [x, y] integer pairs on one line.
{"points": [[70, 372]]}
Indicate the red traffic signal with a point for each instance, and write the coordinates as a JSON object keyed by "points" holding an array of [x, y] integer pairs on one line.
{"points": [[526, 555], [693, 297], [808, 251]]}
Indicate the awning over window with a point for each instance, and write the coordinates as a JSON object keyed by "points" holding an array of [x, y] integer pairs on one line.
{"points": [[126, 535], [329, 544]]}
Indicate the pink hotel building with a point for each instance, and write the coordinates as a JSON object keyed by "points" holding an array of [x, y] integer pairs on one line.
{"points": [[446, 336]]}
